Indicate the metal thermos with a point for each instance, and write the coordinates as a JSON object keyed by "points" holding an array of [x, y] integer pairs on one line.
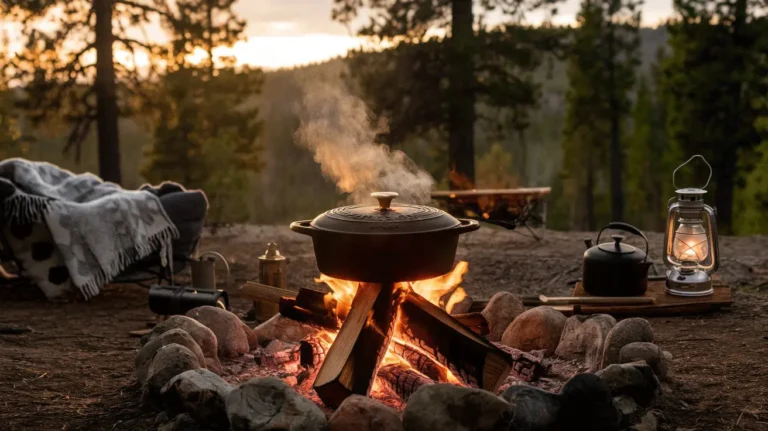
{"points": [[272, 272], [272, 267]]}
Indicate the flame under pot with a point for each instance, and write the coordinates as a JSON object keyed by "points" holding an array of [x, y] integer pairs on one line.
{"points": [[385, 243]]}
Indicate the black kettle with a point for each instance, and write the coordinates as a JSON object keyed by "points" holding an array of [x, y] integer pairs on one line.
{"points": [[615, 268]]}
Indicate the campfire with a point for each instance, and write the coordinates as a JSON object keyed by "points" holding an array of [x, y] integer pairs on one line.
{"points": [[389, 339]]}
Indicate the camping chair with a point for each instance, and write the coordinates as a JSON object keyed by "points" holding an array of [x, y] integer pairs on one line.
{"points": [[187, 211]]}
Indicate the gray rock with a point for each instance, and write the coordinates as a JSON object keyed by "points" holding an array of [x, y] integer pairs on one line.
{"points": [[174, 336], [634, 379], [534, 409], [202, 335], [268, 404], [446, 407], [501, 310], [536, 329], [169, 361], [200, 393], [359, 413], [182, 422], [648, 352], [625, 332], [647, 423], [234, 336], [275, 346], [462, 306], [586, 404], [283, 329], [583, 338]]}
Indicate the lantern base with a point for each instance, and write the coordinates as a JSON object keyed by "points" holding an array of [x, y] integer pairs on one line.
{"points": [[696, 283]]}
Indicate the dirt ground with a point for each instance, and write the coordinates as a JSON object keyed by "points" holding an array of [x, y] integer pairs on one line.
{"points": [[75, 369]]}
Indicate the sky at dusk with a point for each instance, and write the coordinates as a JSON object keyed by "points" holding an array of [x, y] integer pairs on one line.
{"points": [[284, 33]]}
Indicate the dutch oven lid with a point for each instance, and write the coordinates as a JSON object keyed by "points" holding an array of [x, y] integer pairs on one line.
{"points": [[384, 218]]}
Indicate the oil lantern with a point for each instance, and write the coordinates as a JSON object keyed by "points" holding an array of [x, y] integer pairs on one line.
{"points": [[691, 250]]}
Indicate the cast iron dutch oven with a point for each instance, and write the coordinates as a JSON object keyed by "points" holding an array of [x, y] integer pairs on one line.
{"points": [[385, 243], [615, 268]]}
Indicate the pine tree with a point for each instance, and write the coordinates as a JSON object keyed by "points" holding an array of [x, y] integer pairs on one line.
{"points": [[601, 71], [60, 79], [206, 126], [444, 75], [711, 84]]}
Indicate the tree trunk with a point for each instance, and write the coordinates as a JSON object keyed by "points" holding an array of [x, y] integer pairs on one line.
{"points": [[589, 196], [617, 165], [461, 110], [106, 94], [523, 180], [725, 187]]}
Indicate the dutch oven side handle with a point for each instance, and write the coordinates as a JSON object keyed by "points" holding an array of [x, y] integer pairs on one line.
{"points": [[303, 227], [466, 225]]}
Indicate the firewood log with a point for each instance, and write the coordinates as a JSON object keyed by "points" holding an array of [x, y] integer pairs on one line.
{"points": [[402, 379]]}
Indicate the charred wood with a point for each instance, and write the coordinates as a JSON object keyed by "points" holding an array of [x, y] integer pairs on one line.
{"points": [[313, 351], [420, 361], [273, 359], [402, 379], [471, 358], [525, 366], [311, 307]]}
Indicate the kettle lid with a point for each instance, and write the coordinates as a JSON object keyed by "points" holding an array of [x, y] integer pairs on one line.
{"points": [[617, 246]]}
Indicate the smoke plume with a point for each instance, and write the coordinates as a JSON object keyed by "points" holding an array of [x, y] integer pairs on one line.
{"points": [[337, 127]]}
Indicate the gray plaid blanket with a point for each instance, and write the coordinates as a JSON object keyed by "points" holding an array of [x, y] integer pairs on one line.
{"points": [[99, 227]]}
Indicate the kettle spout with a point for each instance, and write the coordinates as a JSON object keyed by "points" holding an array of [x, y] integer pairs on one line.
{"points": [[588, 242]]}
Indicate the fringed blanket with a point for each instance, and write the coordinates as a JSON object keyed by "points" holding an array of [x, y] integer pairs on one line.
{"points": [[98, 227]]}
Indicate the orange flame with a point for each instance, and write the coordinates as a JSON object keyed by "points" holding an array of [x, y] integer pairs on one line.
{"points": [[444, 291]]}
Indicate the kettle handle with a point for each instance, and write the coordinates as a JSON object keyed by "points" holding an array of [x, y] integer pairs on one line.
{"points": [[626, 227]]}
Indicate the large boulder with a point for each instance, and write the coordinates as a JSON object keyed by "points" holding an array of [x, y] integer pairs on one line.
{"points": [[648, 352], [587, 404], [627, 331], [174, 336], [583, 338], [535, 409], [169, 361], [203, 336], [268, 404], [635, 380], [359, 413], [502, 309], [200, 393], [536, 329], [446, 407], [234, 337]]}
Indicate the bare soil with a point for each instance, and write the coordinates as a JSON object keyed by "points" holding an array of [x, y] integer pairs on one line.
{"points": [[74, 371]]}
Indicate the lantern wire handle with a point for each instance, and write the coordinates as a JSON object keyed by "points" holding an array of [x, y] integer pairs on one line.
{"points": [[674, 184]]}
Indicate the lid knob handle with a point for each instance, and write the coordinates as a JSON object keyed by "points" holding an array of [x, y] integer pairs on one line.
{"points": [[384, 198], [617, 239]]}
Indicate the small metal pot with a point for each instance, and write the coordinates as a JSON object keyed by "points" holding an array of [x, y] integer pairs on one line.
{"points": [[615, 268], [385, 243]]}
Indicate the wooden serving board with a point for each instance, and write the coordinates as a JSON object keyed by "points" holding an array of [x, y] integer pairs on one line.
{"points": [[665, 305]]}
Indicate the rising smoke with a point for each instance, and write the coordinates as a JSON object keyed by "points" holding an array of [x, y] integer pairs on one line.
{"points": [[337, 127]]}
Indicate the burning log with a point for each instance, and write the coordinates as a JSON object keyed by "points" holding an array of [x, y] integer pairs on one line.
{"points": [[274, 359], [402, 379], [311, 307], [525, 366], [474, 321], [355, 355], [313, 351], [420, 361], [467, 355]]}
